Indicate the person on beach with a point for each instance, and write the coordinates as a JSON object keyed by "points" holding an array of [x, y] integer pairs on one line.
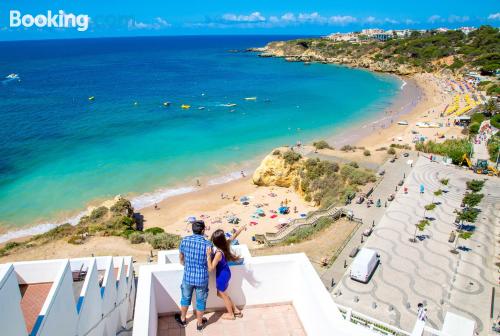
{"points": [[192, 255], [218, 259]]}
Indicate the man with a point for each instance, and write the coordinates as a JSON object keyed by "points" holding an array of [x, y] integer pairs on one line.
{"points": [[193, 255]]}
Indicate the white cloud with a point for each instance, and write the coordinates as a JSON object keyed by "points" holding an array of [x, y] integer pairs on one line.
{"points": [[253, 17], [434, 18], [157, 23], [370, 19], [341, 19], [449, 19], [456, 18], [494, 16]]}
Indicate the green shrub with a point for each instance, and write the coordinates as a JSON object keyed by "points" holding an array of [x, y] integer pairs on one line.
{"points": [[444, 181], [430, 206], [495, 121], [277, 152], [353, 164], [98, 213], [356, 176], [348, 148], [452, 148], [391, 151], [366, 152], [474, 128], [291, 157], [322, 144], [304, 233], [76, 240], [472, 199], [136, 238], [475, 185], [122, 207], [164, 241], [154, 230]]}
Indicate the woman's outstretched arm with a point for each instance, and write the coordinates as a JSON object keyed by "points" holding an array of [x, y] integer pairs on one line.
{"points": [[212, 262]]}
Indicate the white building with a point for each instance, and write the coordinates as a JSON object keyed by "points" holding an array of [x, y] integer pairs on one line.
{"points": [[84, 296], [265, 286]]}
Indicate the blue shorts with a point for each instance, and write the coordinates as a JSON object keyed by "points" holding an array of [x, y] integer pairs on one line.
{"points": [[187, 295]]}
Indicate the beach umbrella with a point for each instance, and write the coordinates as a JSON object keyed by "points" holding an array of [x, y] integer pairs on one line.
{"points": [[282, 220], [244, 199], [422, 188], [259, 211], [191, 219]]}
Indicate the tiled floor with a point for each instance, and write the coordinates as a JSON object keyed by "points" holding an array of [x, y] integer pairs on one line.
{"points": [[279, 320], [33, 298]]}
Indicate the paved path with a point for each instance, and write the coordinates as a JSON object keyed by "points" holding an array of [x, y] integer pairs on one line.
{"points": [[426, 271], [395, 172]]}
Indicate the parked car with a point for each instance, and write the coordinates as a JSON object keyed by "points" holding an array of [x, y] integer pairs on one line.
{"points": [[360, 200], [401, 183], [393, 160], [382, 172], [354, 252], [364, 265], [367, 232], [406, 154], [391, 197]]}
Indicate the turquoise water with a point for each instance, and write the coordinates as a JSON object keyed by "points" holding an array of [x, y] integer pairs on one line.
{"points": [[60, 151]]}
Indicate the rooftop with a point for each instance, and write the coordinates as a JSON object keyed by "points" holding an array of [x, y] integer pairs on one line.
{"points": [[270, 320]]}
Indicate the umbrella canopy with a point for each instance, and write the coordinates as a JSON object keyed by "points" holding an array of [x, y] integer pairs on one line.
{"points": [[259, 211], [244, 199], [191, 219], [283, 220]]}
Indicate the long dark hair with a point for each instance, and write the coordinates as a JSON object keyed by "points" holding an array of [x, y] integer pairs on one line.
{"points": [[220, 241]]}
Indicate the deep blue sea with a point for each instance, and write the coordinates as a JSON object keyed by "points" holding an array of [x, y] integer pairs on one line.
{"points": [[59, 150]]}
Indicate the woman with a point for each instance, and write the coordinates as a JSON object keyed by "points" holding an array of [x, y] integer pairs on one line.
{"points": [[219, 261]]}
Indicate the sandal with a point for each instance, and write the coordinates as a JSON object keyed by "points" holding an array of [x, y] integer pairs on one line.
{"points": [[203, 324], [177, 318]]}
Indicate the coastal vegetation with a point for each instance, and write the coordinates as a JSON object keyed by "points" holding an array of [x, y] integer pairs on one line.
{"points": [[427, 51], [319, 181], [452, 148], [304, 233], [115, 220], [322, 144]]}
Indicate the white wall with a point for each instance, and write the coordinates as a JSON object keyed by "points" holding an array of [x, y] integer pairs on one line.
{"points": [[172, 256], [261, 280], [59, 309], [11, 317]]}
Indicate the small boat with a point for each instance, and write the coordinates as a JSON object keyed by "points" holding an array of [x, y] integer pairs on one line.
{"points": [[251, 98], [403, 122], [201, 108], [136, 103], [166, 103], [229, 105], [91, 98], [12, 76], [184, 106]]}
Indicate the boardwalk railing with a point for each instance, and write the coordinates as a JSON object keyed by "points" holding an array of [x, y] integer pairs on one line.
{"points": [[273, 238], [371, 323]]}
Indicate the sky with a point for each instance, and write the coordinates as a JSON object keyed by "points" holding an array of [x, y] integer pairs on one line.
{"points": [[111, 18]]}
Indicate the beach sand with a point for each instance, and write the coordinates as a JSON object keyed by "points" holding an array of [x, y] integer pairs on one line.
{"points": [[424, 100]]}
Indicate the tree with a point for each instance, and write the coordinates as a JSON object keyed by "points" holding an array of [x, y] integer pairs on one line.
{"points": [[472, 199], [468, 215], [490, 107], [461, 235], [420, 227], [475, 185]]}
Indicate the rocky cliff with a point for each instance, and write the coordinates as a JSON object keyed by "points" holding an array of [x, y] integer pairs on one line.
{"points": [[274, 170], [324, 51]]}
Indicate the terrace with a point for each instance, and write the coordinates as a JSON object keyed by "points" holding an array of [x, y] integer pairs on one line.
{"points": [[280, 295]]}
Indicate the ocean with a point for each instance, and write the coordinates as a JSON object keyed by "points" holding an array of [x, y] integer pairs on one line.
{"points": [[60, 151]]}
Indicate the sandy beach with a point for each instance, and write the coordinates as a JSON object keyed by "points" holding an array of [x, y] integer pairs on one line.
{"points": [[424, 101]]}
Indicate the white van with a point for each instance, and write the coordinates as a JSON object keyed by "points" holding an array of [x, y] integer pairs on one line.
{"points": [[364, 264]]}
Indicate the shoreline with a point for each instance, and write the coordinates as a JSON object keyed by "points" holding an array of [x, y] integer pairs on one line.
{"points": [[143, 202]]}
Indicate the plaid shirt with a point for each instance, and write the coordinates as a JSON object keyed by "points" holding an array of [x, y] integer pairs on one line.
{"points": [[194, 249]]}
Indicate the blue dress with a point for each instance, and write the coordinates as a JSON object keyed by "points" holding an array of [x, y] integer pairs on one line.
{"points": [[222, 274]]}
